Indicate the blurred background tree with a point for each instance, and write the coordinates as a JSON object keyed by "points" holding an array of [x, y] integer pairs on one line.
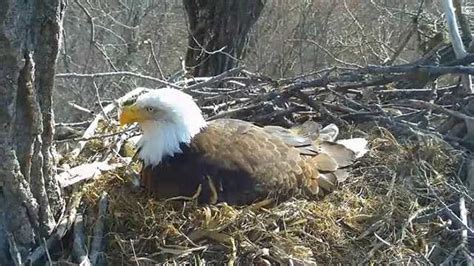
{"points": [[155, 38], [218, 33]]}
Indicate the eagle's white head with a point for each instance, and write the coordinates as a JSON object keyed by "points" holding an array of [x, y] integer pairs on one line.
{"points": [[167, 117]]}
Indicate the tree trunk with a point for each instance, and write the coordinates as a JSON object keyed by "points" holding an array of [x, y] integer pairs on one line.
{"points": [[217, 33], [29, 45]]}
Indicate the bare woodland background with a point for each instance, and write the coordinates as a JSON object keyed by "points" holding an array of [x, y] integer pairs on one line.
{"points": [[123, 44], [290, 38]]}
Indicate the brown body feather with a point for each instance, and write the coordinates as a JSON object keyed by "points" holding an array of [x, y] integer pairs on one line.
{"points": [[239, 163]]}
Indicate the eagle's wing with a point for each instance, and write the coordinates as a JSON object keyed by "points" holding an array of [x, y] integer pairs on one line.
{"points": [[276, 165], [278, 158]]}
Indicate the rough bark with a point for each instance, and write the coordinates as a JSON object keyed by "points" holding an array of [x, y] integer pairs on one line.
{"points": [[217, 33], [49, 15], [9, 170], [3, 235], [29, 44]]}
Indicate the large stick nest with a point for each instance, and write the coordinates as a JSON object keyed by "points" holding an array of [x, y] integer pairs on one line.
{"points": [[401, 205]]}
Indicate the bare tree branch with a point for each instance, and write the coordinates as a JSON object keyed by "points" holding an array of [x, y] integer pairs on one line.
{"points": [[118, 74]]}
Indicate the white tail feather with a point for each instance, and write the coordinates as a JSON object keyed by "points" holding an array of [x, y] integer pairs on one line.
{"points": [[357, 145]]}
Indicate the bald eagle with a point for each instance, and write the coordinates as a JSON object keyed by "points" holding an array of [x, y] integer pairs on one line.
{"points": [[230, 160]]}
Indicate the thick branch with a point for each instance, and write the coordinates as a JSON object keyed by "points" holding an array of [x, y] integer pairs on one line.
{"points": [[453, 29]]}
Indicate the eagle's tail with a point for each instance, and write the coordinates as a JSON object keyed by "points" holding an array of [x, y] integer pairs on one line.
{"points": [[334, 157], [329, 158]]}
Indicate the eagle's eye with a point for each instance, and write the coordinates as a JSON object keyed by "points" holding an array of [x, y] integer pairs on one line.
{"points": [[150, 109]]}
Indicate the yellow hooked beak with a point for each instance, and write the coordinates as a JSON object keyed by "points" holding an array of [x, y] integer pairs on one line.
{"points": [[131, 114]]}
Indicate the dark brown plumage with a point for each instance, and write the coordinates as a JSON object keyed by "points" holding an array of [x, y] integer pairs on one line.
{"points": [[239, 163]]}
